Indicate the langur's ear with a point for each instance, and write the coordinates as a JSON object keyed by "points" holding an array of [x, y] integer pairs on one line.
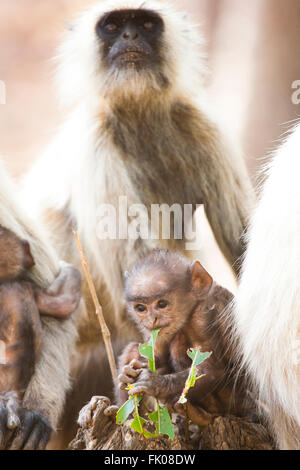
{"points": [[29, 261], [200, 279]]}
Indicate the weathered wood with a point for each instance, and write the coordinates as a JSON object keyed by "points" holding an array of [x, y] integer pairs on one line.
{"points": [[230, 433]]}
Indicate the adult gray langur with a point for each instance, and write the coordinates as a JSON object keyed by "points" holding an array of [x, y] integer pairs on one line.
{"points": [[130, 76]]}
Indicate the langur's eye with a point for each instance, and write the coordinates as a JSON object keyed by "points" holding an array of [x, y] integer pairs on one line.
{"points": [[162, 304], [140, 308], [111, 28], [148, 25]]}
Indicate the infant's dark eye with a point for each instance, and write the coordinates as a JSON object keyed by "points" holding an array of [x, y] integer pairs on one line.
{"points": [[148, 25], [111, 28], [162, 304], [140, 308]]}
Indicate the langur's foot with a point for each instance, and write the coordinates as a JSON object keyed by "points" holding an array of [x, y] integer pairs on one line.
{"points": [[86, 414]]}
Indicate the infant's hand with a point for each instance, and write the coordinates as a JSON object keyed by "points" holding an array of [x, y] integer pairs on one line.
{"points": [[130, 372]]}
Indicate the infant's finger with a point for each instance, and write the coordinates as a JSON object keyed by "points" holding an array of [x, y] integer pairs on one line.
{"points": [[140, 388], [129, 371], [126, 379], [136, 364]]}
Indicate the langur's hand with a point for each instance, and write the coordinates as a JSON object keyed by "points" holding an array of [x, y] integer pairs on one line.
{"points": [[130, 372], [20, 428], [149, 383], [62, 298]]}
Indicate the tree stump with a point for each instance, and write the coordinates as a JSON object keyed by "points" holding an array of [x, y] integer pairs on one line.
{"points": [[231, 433], [100, 432]]}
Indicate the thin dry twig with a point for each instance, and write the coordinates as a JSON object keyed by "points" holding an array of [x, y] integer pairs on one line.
{"points": [[104, 329]]}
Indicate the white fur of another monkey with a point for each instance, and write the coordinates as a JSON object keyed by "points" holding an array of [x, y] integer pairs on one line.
{"points": [[138, 131], [268, 301]]}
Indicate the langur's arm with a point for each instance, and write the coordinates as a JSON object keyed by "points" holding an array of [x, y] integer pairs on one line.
{"points": [[62, 298], [169, 387], [44, 398], [228, 198], [21, 337], [47, 389]]}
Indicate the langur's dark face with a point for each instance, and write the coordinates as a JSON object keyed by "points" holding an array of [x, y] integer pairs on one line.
{"points": [[131, 38]]}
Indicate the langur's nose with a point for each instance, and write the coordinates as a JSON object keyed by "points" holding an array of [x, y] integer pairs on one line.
{"points": [[130, 33], [154, 321]]}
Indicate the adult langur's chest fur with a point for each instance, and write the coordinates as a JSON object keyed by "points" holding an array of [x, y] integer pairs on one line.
{"points": [[163, 147]]}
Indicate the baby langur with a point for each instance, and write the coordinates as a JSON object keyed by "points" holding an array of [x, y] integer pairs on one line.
{"points": [[21, 302], [165, 291]]}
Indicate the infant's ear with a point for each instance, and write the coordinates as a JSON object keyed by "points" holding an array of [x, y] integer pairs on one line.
{"points": [[200, 279]]}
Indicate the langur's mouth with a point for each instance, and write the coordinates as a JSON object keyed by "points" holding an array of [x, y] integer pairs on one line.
{"points": [[163, 326], [130, 56]]}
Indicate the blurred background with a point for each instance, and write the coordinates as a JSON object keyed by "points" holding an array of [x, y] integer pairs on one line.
{"points": [[252, 53]]}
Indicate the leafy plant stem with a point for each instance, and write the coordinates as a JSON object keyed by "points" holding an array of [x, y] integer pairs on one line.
{"points": [[158, 415], [136, 406]]}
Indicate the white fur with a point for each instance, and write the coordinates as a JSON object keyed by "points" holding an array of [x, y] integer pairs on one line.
{"points": [[268, 301], [13, 216]]}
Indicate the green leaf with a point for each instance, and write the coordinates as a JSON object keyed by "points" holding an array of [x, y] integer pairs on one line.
{"points": [[137, 423], [149, 435], [197, 356], [154, 416], [154, 337], [161, 417], [166, 425], [163, 422], [125, 411], [147, 349]]}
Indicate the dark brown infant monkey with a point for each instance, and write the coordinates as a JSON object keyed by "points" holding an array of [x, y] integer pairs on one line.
{"points": [[165, 291], [21, 303]]}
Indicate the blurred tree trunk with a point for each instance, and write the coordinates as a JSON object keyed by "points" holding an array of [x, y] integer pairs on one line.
{"points": [[277, 66]]}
